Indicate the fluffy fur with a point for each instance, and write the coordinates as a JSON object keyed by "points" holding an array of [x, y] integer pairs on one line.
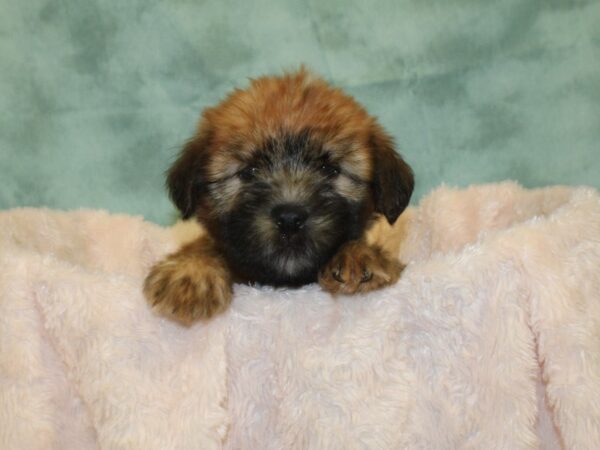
{"points": [[285, 175], [501, 294]]}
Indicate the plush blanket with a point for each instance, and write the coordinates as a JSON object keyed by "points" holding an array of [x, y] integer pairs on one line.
{"points": [[490, 340]]}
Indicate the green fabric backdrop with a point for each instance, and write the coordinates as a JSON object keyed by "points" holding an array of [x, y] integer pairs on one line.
{"points": [[97, 96]]}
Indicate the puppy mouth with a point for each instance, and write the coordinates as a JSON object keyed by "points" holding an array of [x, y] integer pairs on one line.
{"points": [[291, 243]]}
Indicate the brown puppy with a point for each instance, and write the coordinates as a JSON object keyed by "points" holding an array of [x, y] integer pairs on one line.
{"points": [[285, 176]]}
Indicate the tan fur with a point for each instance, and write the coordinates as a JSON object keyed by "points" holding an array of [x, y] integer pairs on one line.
{"points": [[293, 102], [192, 283], [195, 283], [390, 238], [359, 267]]}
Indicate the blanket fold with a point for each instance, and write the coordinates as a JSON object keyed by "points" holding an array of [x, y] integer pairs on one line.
{"points": [[491, 338]]}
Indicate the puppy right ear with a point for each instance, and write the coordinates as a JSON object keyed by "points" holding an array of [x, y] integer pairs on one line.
{"points": [[185, 179]]}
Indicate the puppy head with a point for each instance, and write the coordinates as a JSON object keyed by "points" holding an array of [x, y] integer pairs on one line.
{"points": [[286, 171]]}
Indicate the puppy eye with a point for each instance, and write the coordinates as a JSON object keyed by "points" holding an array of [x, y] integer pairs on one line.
{"points": [[329, 170], [248, 173]]}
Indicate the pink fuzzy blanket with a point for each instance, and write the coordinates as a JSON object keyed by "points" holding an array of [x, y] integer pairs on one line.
{"points": [[490, 340]]}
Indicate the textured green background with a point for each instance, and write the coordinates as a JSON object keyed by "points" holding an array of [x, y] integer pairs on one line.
{"points": [[97, 96]]}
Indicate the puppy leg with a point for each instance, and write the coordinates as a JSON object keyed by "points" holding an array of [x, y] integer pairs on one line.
{"points": [[359, 267], [190, 284]]}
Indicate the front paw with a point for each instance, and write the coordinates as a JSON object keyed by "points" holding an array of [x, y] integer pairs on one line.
{"points": [[358, 267], [188, 290]]}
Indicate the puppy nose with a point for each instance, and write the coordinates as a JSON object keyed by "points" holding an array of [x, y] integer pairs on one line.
{"points": [[289, 218]]}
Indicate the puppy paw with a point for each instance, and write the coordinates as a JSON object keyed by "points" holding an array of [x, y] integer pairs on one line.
{"points": [[358, 267], [187, 291]]}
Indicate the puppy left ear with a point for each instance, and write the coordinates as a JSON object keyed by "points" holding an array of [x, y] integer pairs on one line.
{"points": [[393, 179]]}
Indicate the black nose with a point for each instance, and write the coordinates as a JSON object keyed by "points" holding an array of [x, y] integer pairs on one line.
{"points": [[289, 218]]}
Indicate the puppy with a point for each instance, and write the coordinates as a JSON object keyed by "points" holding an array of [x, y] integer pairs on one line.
{"points": [[285, 176]]}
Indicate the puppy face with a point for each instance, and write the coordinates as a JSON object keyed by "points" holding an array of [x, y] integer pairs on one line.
{"points": [[285, 172]]}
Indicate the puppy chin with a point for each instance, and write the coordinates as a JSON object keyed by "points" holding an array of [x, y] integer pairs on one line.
{"points": [[292, 271]]}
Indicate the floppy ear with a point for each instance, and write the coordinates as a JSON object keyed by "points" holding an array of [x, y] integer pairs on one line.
{"points": [[393, 179], [186, 179]]}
